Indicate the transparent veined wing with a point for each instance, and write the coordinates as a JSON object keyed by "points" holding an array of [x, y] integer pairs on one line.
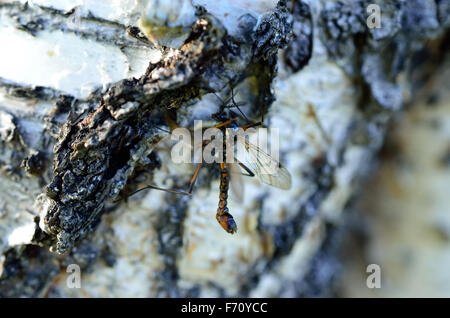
{"points": [[236, 184], [268, 169]]}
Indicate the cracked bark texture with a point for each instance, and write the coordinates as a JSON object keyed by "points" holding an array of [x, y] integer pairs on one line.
{"points": [[83, 95]]}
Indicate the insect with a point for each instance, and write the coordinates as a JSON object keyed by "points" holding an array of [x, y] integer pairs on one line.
{"points": [[230, 173]]}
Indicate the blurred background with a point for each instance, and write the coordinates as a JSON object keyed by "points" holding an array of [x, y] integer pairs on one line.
{"points": [[402, 219]]}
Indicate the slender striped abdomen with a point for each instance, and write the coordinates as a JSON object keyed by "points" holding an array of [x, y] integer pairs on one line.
{"points": [[224, 218]]}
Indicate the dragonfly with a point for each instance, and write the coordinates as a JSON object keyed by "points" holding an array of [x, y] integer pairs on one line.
{"points": [[251, 162]]}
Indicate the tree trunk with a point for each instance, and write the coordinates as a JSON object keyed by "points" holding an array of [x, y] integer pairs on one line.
{"points": [[84, 96]]}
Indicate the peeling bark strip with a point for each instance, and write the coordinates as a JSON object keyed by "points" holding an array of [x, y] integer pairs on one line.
{"points": [[95, 156]]}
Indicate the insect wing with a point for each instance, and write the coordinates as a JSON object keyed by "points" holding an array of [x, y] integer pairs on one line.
{"points": [[236, 184], [268, 169]]}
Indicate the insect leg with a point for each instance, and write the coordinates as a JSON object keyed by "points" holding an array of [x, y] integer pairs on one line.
{"points": [[225, 123], [259, 123], [189, 192], [194, 178], [236, 105], [249, 172]]}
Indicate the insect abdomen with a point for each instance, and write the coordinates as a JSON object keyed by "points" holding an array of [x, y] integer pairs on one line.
{"points": [[224, 218]]}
